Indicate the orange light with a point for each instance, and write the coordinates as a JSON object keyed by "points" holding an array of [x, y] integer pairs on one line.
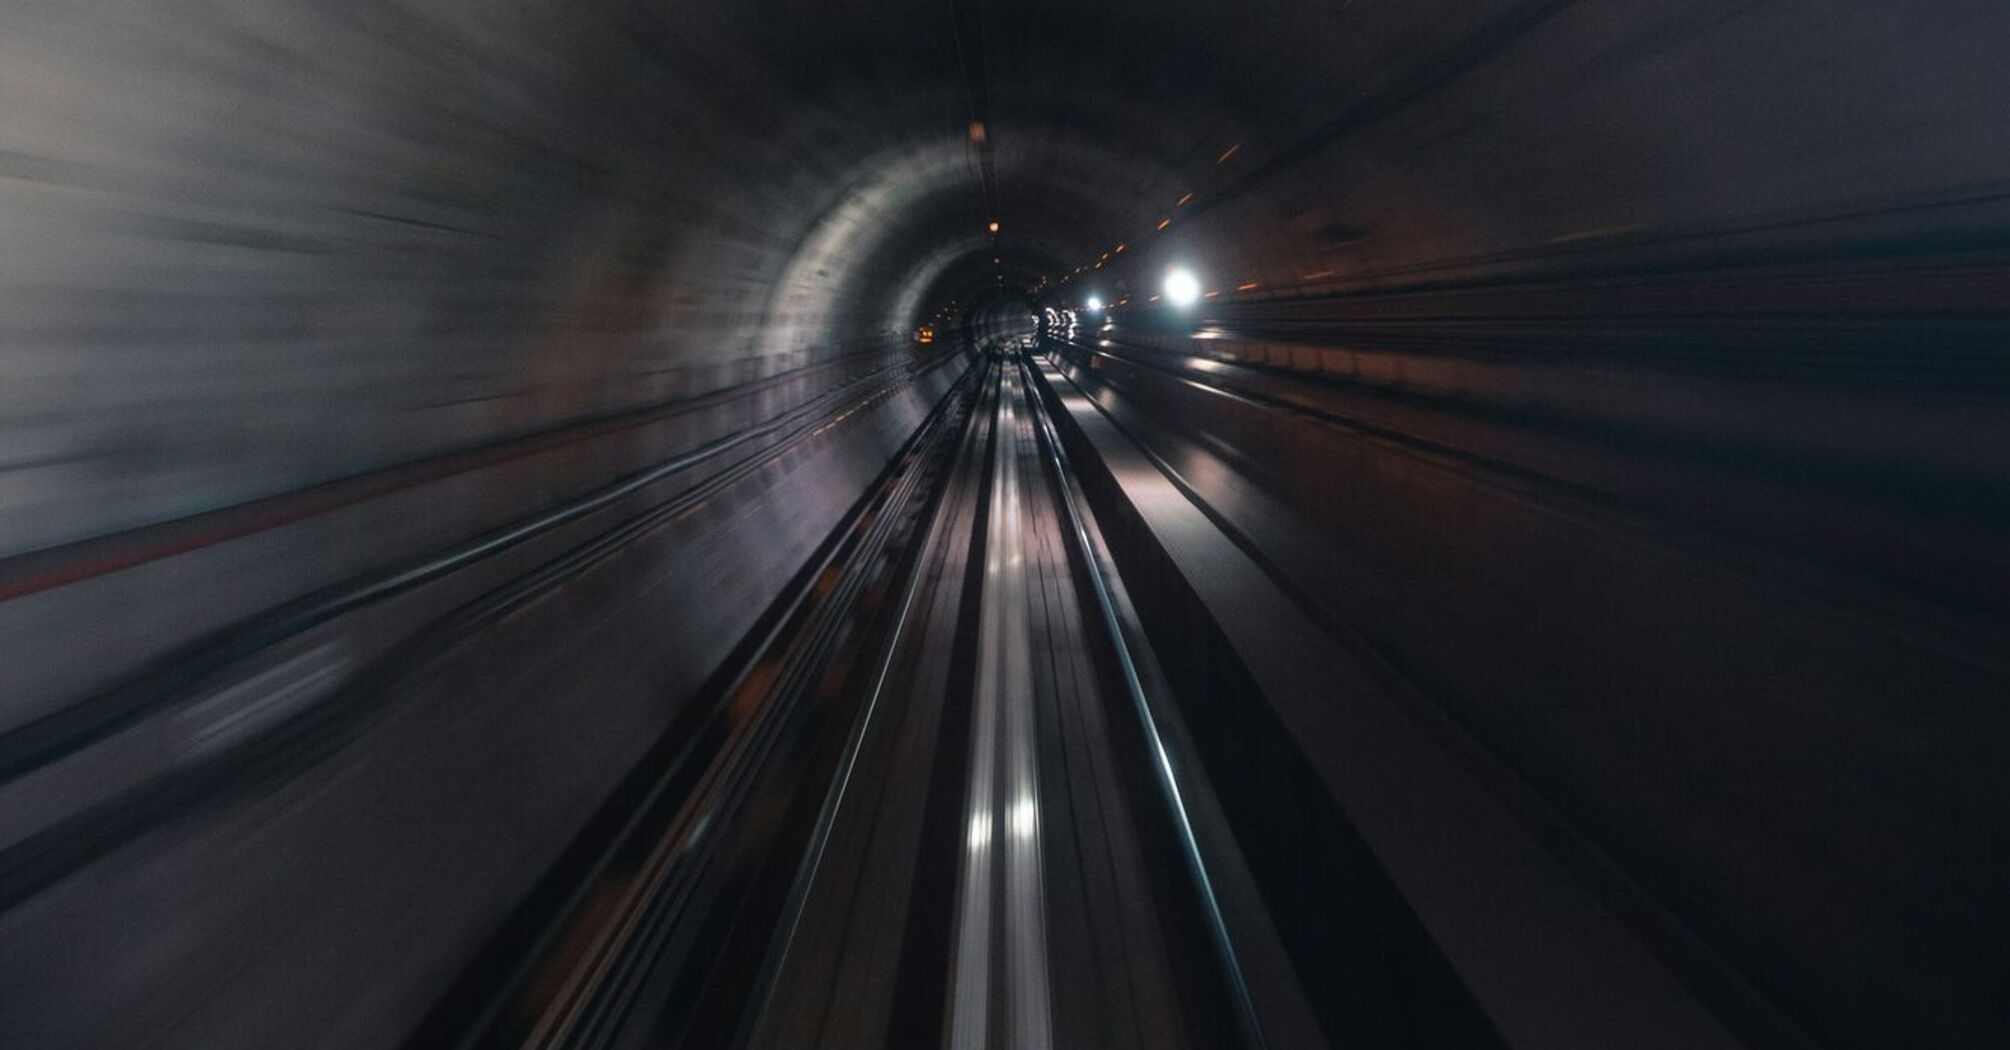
{"points": [[1317, 276], [1121, 247], [994, 226], [1183, 201], [1250, 287], [1163, 223], [1106, 257], [1227, 153], [1211, 295]]}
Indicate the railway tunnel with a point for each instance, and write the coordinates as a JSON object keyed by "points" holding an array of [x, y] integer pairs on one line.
{"points": [[1466, 523]]}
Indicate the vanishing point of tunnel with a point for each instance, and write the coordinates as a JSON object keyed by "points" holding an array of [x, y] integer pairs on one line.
{"points": [[1005, 524]]}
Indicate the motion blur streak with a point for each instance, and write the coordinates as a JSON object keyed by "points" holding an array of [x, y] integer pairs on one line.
{"points": [[613, 523]]}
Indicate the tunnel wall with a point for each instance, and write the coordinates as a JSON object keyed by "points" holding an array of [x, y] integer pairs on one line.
{"points": [[253, 246], [325, 887], [250, 247]]}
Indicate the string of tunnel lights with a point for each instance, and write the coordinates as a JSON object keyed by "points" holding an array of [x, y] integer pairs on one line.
{"points": [[1181, 286]]}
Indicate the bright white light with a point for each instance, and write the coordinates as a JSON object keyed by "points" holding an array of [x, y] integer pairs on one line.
{"points": [[1094, 305], [1182, 287], [1024, 817]]}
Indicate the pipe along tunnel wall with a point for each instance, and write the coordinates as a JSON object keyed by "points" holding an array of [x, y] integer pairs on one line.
{"points": [[1626, 382]]}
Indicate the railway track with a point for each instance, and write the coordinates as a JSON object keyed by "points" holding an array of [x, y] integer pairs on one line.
{"points": [[944, 800]]}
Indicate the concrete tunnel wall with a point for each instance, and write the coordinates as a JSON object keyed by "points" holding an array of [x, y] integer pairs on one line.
{"points": [[255, 245]]}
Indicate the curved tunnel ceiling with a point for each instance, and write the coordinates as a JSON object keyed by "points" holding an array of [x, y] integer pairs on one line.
{"points": [[1281, 144], [446, 222]]}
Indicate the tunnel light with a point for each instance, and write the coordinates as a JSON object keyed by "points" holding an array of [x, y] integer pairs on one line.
{"points": [[1182, 287], [1094, 305], [1025, 818], [994, 226]]}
